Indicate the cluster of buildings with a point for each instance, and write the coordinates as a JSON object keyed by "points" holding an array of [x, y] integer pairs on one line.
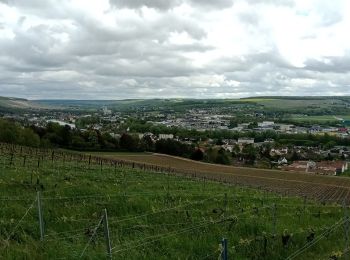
{"points": [[292, 129], [156, 137], [322, 167], [213, 122], [202, 122]]}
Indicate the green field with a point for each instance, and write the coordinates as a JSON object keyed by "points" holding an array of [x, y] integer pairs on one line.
{"points": [[151, 215], [291, 103], [324, 118], [315, 118]]}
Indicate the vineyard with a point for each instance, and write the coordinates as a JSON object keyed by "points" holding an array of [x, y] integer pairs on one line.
{"points": [[318, 187], [93, 208]]}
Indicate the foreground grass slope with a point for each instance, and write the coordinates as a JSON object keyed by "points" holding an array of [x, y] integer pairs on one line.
{"points": [[151, 215]]}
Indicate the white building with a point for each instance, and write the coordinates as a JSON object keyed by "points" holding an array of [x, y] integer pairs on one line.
{"points": [[245, 141], [106, 111], [266, 124], [286, 128], [166, 136]]}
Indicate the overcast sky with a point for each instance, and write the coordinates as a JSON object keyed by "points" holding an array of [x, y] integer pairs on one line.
{"points": [[116, 49]]}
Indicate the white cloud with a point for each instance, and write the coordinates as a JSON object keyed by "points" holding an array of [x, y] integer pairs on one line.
{"points": [[182, 48]]}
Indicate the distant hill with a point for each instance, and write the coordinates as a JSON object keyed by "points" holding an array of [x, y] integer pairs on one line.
{"points": [[142, 104], [314, 105], [299, 97], [9, 103]]}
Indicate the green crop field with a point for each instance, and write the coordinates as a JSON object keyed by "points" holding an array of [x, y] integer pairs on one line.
{"points": [[315, 118], [285, 103], [320, 119], [151, 215]]}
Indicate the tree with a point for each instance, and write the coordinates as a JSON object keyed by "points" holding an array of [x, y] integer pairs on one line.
{"points": [[222, 157], [330, 145], [66, 135], [173, 147], [29, 138], [197, 155], [129, 142], [78, 142], [235, 150], [253, 125], [10, 132], [92, 139], [147, 143], [249, 153], [233, 123]]}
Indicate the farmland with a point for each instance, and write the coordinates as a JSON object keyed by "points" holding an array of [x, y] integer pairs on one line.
{"points": [[152, 212], [327, 118], [296, 102], [318, 187]]}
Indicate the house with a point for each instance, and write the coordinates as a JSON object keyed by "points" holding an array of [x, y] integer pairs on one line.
{"points": [[315, 129], [114, 135], [280, 151], [343, 130], [265, 124], [238, 129], [106, 111], [165, 136], [150, 135], [243, 125], [336, 167], [322, 167], [285, 128], [282, 161], [227, 147], [244, 140], [299, 166]]}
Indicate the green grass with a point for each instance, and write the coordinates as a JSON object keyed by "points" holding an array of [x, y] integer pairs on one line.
{"points": [[118, 153], [315, 118], [151, 215], [285, 103], [319, 119]]}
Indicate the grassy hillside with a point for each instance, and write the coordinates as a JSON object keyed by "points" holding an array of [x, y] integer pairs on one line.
{"points": [[306, 105], [299, 102], [143, 104], [152, 215], [17, 103]]}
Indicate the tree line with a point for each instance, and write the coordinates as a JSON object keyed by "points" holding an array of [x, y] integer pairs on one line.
{"points": [[57, 136], [54, 135]]}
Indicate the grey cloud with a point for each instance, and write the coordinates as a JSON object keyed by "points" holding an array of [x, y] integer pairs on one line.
{"points": [[136, 4], [248, 62], [32, 48], [134, 39], [166, 5], [332, 64], [48, 9], [217, 4], [132, 58], [288, 3]]}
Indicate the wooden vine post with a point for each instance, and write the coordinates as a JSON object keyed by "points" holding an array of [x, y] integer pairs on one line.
{"points": [[346, 230], [224, 253], [40, 216], [107, 237]]}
